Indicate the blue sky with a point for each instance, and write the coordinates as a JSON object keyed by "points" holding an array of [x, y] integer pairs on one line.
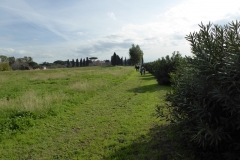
{"points": [[49, 30]]}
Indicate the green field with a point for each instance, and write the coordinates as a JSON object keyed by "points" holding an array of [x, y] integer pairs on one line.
{"points": [[84, 113]]}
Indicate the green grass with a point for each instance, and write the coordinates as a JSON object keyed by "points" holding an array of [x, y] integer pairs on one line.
{"points": [[84, 113]]}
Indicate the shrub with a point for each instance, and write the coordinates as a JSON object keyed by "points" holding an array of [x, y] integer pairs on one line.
{"points": [[5, 67], [205, 95], [162, 67]]}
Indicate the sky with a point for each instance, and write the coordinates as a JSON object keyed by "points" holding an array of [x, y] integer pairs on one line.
{"points": [[50, 30]]}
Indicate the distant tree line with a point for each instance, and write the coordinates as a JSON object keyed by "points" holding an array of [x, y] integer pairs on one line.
{"points": [[78, 63], [24, 63], [27, 63], [116, 60], [72, 63]]}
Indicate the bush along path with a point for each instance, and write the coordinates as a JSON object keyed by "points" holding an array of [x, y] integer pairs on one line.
{"points": [[117, 123]]}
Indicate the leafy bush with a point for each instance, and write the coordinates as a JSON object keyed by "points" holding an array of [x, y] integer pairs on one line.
{"points": [[5, 67], [205, 95], [16, 121], [162, 67], [21, 120], [34, 65]]}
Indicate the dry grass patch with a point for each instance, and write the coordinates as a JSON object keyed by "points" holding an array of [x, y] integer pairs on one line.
{"points": [[44, 76], [3, 78], [88, 86], [31, 101], [118, 72], [81, 86]]}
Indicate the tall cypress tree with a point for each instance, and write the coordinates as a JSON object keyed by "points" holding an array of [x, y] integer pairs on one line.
{"points": [[84, 62], [114, 60], [118, 60], [73, 63], [77, 63], [81, 63], [68, 63], [87, 62]]}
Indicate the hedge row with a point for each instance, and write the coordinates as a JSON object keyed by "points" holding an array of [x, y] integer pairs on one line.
{"points": [[162, 67]]}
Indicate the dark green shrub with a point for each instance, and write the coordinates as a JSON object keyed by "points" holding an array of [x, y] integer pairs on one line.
{"points": [[205, 96], [21, 120], [162, 67], [15, 121]]}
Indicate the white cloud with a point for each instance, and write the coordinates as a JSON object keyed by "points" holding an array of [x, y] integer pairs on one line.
{"points": [[79, 33], [29, 15], [89, 33], [9, 52], [45, 56], [6, 51], [193, 12], [111, 15], [171, 27]]}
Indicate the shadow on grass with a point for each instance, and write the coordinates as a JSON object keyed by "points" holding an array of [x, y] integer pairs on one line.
{"points": [[149, 88], [161, 143], [147, 77]]}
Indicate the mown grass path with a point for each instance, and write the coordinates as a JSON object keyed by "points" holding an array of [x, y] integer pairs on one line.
{"points": [[104, 127]]}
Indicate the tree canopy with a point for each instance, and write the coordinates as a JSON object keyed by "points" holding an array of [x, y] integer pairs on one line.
{"points": [[135, 54], [3, 58], [93, 58]]}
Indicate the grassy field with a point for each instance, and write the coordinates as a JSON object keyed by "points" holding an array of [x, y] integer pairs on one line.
{"points": [[84, 113]]}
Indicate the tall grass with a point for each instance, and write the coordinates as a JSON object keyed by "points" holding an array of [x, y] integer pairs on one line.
{"points": [[31, 101], [36, 89], [84, 113], [44, 93]]}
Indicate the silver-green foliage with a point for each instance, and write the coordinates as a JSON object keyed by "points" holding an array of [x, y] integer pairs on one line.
{"points": [[205, 96], [135, 54]]}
